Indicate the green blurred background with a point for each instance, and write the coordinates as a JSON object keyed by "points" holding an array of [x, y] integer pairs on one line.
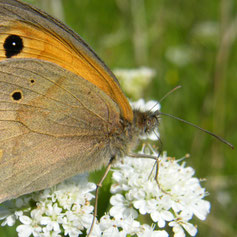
{"points": [[189, 43]]}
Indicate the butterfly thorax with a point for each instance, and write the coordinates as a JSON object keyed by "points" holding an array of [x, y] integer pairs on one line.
{"points": [[124, 140]]}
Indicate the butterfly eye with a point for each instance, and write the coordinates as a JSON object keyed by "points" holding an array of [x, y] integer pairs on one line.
{"points": [[151, 123], [13, 45], [148, 126], [148, 123]]}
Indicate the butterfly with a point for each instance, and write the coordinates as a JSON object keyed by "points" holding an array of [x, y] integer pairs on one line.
{"points": [[62, 111]]}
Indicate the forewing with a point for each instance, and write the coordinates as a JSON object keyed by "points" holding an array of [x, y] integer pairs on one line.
{"points": [[46, 38]]}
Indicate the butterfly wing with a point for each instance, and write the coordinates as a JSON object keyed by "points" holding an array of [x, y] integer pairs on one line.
{"points": [[53, 125], [43, 37]]}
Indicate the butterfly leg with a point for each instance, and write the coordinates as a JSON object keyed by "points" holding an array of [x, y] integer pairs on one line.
{"points": [[99, 184], [156, 165]]}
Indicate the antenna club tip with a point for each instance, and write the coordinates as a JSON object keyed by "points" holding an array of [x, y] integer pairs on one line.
{"points": [[231, 146], [187, 155]]}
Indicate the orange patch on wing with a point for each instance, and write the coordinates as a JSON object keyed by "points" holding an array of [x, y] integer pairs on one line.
{"points": [[44, 45]]}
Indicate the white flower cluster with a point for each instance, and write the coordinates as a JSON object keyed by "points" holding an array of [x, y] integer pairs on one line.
{"points": [[173, 202], [134, 81], [66, 209], [46, 213]]}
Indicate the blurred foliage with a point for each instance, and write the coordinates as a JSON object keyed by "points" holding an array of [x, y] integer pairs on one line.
{"points": [[189, 43]]}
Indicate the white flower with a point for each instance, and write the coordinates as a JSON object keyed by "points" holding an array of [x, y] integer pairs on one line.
{"points": [[206, 32], [121, 207], [148, 231], [29, 226], [151, 105], [180, 55], [179, 225], [133, 81]]}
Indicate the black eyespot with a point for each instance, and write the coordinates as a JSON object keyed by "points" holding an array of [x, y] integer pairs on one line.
{"points": [[13, 45], [32, 81], [16, 95]]}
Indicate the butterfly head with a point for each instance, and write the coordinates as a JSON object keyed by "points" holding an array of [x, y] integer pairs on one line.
{"points": [[146, 121]]}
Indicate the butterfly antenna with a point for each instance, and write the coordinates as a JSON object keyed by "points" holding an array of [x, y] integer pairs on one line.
{"points": [[166, 95], [170, 92], [202, 129]]}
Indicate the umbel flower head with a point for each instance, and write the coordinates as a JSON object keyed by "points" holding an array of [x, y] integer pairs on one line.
{"points": [[134, 81], [67, 210]]}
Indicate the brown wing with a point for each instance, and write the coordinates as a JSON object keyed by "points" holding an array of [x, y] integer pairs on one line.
{"points": [[53, 125], [46, 38]]}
